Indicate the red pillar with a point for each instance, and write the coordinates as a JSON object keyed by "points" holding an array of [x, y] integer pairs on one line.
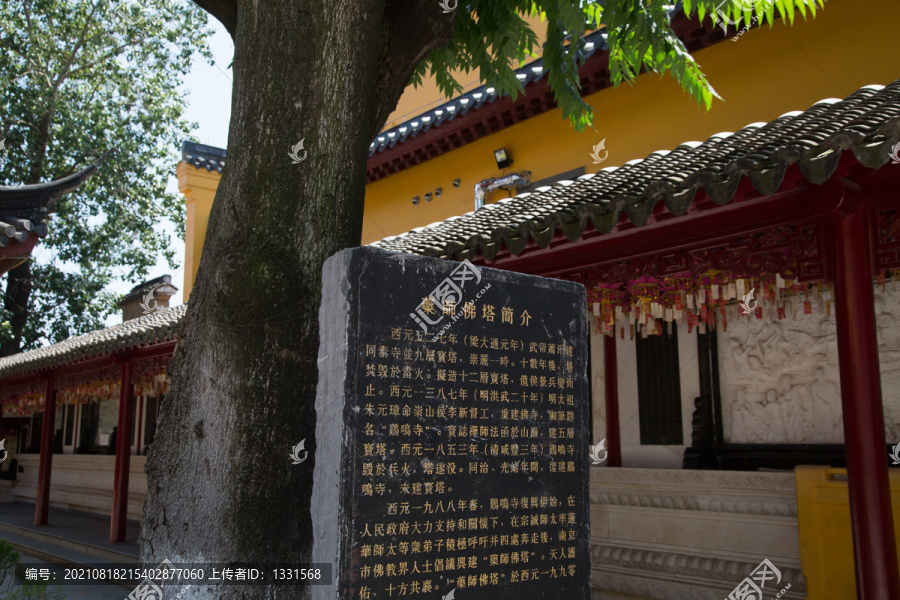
{"points": [[867, 470], [123, 458], [611, 378], [42, 503]]}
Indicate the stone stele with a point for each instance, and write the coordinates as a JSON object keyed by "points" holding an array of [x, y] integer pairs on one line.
{"points": [[452, 432]]}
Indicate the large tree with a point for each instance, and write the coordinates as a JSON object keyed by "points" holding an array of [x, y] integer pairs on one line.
{"points": [[78, 79], [221, 485]]}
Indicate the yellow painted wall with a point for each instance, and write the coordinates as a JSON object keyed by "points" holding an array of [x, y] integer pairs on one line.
{"points": [[199, 189], [824, 530], [416, 100], [762, 75]]}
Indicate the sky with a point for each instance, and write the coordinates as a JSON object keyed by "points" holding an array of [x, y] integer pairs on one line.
{"points": [[208, 89]]}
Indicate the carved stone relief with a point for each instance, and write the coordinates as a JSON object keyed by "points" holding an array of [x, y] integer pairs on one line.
{"points": [[780, 379]]}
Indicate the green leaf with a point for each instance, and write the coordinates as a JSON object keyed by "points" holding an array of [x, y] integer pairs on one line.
{"points": [[121, 89]]}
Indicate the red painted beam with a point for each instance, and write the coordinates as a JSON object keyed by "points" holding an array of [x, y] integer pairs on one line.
{"points": [[161, 349], [705, 224], [611, 380], [123, 458], [42, 502], [875, 552], [96, 363], [698, 227]]}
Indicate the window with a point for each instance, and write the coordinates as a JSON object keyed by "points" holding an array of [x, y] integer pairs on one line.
{"points": [[659, 389], [70, 423], [150, 415], [88, 428], [37, 425]]}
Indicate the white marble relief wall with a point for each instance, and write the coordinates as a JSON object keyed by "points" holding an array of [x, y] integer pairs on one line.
{"points": [[887, 315], [780, 380], [109, 418]]}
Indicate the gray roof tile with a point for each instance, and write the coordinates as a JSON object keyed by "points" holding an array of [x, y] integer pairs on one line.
{"points": [[866, 123], [203, 156], [154, 328]]}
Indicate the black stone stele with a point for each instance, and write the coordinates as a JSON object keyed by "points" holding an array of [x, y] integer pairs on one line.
{"points": [[452, 431]]}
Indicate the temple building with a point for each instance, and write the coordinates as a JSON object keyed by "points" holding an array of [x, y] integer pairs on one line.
{"points": [[24, 210], [743, 293]]}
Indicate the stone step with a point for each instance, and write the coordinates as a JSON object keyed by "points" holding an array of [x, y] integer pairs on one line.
{"points": [[39, 541]]}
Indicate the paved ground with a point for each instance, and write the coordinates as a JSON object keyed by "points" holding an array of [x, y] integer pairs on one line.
{"points": [[62, 541], [81, 592], [83, 527]]}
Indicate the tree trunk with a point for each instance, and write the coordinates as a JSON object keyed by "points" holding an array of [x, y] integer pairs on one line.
{"points": [[18, 290], [221, 486], [18, 279]]}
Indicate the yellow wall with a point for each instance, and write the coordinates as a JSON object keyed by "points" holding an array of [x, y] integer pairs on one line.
{"points": [[199, 189], [762, 75], [824, 530], [416, 100]]}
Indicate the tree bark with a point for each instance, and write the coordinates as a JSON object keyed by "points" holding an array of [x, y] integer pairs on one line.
{"points": [[18, 290], [18, 279], [221, 486]]}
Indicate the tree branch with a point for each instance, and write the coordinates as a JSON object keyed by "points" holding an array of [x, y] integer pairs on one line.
{"points": [[68, 65], [224, 10], [111, 54], [410, 30]]}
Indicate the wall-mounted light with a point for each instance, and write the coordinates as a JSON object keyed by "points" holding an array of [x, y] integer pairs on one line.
{"points": [[502, 158], [456, 182], [428, 197], [438, 192], [415, 201]]}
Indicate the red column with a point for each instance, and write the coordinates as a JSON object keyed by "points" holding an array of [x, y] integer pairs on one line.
{"points": [[123, 458], [867, 470], [42, 502], [611, 378]]}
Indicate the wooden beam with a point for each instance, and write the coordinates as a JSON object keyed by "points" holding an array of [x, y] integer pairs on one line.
{"points": [[875, 552]]}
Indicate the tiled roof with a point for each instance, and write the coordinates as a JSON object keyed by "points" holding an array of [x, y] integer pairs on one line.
{"points": [[456, 123], [203, 156], [866, 123], [154, 328], [473, 99], [23, 208]]}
